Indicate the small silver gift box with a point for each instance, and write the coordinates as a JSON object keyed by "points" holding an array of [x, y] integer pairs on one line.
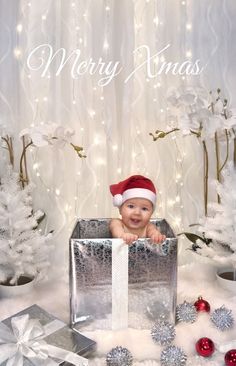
{"points": [[104, 295], [64, 337]]}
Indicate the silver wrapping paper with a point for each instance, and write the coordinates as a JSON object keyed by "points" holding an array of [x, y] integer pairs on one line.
{"points": [[152, 277], [64, 338]]}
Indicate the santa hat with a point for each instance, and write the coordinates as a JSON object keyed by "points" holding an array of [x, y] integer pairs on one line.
{"points": [[135, 186]]}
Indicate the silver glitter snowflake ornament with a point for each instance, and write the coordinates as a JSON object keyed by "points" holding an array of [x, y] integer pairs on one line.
{"points": [[173, 356], [163, 332], [222, 318], [119, 356], [186, 312]]}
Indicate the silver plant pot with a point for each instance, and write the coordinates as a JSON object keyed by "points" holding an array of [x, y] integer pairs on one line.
{"points": [[226, 278], [17, 290]]}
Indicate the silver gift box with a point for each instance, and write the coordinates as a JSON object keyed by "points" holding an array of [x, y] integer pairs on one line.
{"points": [[152, 277], [64, 338]]}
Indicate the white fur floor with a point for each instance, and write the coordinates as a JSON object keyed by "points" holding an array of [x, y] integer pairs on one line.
{"points": [[193, 280]]}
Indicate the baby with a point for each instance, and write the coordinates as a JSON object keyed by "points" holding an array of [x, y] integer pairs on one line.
{"points": [[135, 197]]}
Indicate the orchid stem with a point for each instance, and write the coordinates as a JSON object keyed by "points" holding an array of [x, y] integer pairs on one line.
{"points": [[24, 177]]}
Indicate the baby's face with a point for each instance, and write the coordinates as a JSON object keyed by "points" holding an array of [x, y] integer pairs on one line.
{"points": [[136, 213]]}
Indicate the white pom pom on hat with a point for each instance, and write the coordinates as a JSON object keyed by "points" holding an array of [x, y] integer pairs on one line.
{"points": [[136, 186], [117, 200]]}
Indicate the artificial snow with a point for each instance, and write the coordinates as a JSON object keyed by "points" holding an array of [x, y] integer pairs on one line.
{"points": [[196, 279]]}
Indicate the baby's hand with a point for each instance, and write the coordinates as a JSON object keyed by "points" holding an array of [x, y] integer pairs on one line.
{"points": [[157, 238], [129, 238]]}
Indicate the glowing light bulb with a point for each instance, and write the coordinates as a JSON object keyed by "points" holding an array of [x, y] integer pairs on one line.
{"points": [[45, 99], [17, 52], [97, 140], [162, 59], [92, 113], [189, 54], [44, 17], [177, 199], [73, 101], [105, 45], [35, 166], [100, 161], [73, 5], [19, 28], [118, 170], [57, 191], [107, 8], [115, 147], [188, 26], [156, 21], [38, 175]]}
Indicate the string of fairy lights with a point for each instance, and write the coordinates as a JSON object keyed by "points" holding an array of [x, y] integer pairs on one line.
{"points": [[79, 27]]}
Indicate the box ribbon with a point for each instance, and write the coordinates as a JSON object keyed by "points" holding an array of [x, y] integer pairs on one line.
{"points": [[120, 258], [25, 339]]}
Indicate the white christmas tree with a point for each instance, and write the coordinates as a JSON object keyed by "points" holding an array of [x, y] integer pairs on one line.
{"points": [[220, 225], [24, 251]]}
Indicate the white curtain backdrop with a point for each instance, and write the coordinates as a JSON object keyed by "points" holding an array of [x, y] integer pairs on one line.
{"points": [[112, 122]]}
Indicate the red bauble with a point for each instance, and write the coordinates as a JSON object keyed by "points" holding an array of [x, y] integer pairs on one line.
{"points": [[205, 347], [230, 358], [202, 305]]}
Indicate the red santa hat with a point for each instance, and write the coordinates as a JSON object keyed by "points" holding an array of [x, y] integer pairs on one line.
{"points": [[135, 186]]}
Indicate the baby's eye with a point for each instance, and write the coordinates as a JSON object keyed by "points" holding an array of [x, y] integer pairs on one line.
{"points": [[130, 206], [144, 208]]}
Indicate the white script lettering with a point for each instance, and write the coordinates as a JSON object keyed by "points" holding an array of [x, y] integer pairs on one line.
{"points": [[44, 59], [155, 67], [107, 71]]}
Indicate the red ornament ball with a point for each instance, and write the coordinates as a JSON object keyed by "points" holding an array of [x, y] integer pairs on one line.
{"points": [[205, 347], [230, 358], [202, 305]]}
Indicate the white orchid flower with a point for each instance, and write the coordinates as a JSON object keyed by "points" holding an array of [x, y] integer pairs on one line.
{"points": [[48, 134]]}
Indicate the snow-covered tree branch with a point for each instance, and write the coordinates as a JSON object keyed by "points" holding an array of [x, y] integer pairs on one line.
{"points": [[23, 249]]}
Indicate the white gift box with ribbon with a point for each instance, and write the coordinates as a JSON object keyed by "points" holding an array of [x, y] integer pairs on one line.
{"points": [[35, 337]]}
